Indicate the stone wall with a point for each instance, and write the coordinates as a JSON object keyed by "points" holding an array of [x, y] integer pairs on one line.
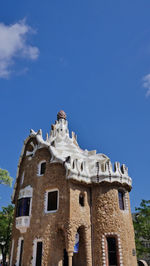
{"points": [[109, 220], [98, 218], [46, 226]]}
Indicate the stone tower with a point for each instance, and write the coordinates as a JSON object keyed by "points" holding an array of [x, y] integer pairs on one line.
{"points": [[71, 207]]}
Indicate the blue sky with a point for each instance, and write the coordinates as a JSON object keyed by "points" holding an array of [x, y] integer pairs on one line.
{"points": [[89, 58]]}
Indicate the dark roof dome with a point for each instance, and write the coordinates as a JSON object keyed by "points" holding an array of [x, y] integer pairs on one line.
{"points": [[61, 115]]}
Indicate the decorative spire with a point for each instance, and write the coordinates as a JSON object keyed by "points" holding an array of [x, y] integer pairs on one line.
{"points": [[61, 115]]}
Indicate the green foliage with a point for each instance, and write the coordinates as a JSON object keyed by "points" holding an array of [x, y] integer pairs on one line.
{"points": [[6, 218], [142, 228], [5, 178]]}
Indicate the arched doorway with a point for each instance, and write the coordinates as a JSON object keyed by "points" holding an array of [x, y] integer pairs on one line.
{"points": [[142, 263], [79, 256]]}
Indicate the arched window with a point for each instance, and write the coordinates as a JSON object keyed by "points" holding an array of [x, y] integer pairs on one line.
{"points": [[41, 168]]}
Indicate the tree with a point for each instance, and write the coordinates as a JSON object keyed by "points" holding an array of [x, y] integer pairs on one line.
{"points": [[5, 178], [6, 218], [141, 223]]}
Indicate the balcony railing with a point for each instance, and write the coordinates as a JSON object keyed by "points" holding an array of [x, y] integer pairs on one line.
{"points": [[22, 223]]}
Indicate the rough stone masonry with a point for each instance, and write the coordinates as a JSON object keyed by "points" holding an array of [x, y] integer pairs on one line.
{"points": [[72, 206]]}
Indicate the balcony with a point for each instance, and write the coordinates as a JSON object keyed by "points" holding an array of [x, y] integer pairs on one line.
{"points": [[22, 223]]}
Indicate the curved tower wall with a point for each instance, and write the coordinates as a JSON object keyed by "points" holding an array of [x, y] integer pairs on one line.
{"points": [[108, 220]]}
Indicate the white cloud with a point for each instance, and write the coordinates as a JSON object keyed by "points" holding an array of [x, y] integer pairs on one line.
{"points": [[13, 44], [146, 84]]}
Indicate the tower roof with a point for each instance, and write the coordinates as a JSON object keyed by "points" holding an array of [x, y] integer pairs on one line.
{"points": [[81, 165], [61, 115]]}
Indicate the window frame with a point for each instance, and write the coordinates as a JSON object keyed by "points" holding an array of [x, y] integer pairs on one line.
{"points": [[19, 250], [26, 192], [116, 247], [36, 240], [22, 207], [46, 200], [39, 168], [12, 251], [125, 200], [121, 199]]}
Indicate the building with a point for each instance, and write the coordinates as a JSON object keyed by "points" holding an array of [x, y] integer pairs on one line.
{"points": [[71, 207]]}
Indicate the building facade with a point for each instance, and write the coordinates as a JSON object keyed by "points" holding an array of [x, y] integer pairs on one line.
{"points": [[71, 207]]}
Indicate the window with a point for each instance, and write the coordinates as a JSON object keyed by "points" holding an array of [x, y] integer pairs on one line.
{"points": [[51, 201], [21, 251], [39, 254], [22, 179], [42, 168], [81, 199], [112, 251], [65, 259], [121, 195], [23, 207], [12, 252]]}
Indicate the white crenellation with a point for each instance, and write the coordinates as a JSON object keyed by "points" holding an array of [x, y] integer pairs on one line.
{"points": [[59, 130], [82, 165]]}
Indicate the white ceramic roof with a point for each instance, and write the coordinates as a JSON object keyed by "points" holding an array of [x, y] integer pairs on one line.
{"points": [[81, 165]]}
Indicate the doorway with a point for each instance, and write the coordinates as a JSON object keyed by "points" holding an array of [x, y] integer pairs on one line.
{"points": [[65, 259]]}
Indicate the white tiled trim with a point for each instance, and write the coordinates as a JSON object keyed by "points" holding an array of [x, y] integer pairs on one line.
{"points": [[104, 255], [126, 201]]}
